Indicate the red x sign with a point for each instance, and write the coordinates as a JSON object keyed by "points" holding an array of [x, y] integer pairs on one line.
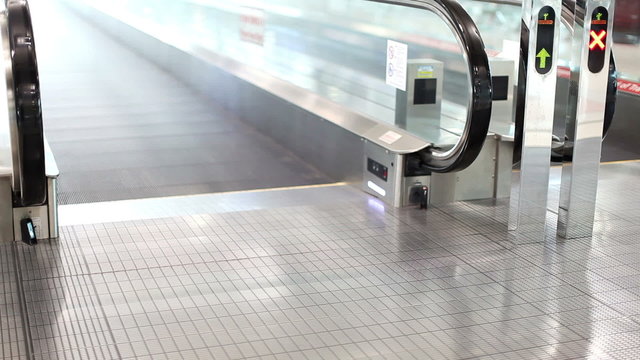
{"points": [[597, 39]]}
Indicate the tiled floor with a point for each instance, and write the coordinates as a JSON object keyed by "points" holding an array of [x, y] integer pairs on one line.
{"points": [[12, 340], [335, 276]]}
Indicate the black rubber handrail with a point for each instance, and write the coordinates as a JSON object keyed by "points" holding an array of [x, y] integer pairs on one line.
{"points": [[26, 88], [466, 150]]}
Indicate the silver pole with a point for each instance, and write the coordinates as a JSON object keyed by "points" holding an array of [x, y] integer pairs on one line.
{"points": [[528, 208], [587, 100]]}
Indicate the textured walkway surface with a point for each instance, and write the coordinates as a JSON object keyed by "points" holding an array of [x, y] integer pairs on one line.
{"points": [[330, 273], [121, 128]]}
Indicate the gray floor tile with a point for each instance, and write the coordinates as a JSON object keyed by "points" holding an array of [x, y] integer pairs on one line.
{"points": [[296, 279]]}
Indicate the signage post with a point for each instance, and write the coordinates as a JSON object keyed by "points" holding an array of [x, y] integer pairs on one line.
{"points": [[589, 76], [530, 186]]}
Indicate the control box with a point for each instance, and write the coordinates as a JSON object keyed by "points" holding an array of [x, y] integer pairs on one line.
{"points": [[386, 177], [382, 173]]}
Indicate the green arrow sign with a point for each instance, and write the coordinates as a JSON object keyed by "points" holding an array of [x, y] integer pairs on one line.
{"points": [[545, 39], [543, 55]]}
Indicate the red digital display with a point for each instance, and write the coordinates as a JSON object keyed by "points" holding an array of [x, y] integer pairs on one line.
{"points": [[598, 40]]}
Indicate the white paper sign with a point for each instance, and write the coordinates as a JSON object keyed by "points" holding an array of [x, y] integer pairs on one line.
{"points": [[397, 55], [390, 137]]}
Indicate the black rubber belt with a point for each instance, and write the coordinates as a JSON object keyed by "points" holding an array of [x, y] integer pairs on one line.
{"points": [[33, 182]]}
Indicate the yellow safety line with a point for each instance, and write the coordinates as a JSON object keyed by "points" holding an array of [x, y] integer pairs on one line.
{"points": [[283, 188], [301, 187], [620, 162], [607, 163], [211, 194]]}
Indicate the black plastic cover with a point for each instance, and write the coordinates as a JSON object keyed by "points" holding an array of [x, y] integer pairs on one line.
{"points": [[414, 166], [377, 169], [424, 91], [28, 231], [26, 86], [500, 88], [612, 96]]}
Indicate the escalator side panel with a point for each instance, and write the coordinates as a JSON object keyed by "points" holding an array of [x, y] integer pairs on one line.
{"points": [[464, 153], [26, 87], [478, 121]]}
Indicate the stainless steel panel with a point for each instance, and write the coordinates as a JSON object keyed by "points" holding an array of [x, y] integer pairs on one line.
{"points": [[478, 181], [9, 107], [504, 166], [503, 111], [51, 166], [52, 205], [6, 156], [528, 209], [421, 119], [389, 190], [40, 217], [6, 211], [579, 186]]}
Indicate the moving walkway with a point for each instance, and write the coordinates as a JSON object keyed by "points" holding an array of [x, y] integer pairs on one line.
{"points": [[346, 104], [402, 155], [457, 143]]}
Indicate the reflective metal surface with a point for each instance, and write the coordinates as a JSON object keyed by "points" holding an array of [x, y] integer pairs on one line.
{"points": [[588, 93], [7, 89], [530, 188], [6, 156], [6, 208]]}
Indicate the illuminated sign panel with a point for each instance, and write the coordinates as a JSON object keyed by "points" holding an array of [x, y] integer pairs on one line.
{"points": [[598, 39], [544, 44]]}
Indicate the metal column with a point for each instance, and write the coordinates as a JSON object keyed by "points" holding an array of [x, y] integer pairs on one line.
{"points": [[528, 209], [588, 88], [6, 209]]}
